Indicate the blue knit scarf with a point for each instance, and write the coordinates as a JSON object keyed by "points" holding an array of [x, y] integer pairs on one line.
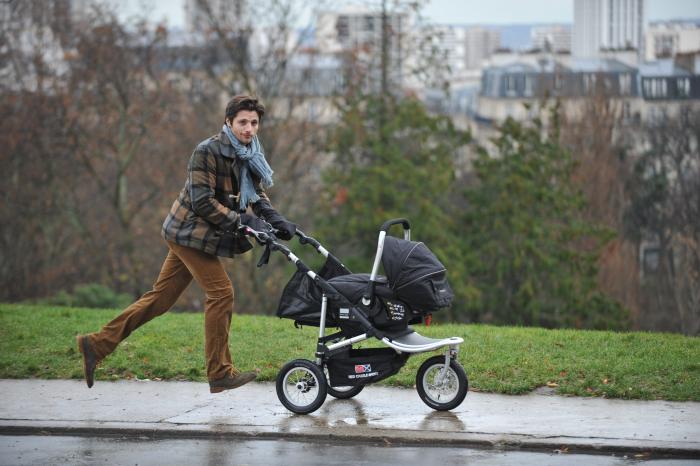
{"points": [[250, 157]]}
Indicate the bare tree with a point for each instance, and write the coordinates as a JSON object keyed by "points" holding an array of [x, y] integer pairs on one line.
{"points": [[665, 214], [125, 122], [88, 141], [599, 139], [35, 149]]}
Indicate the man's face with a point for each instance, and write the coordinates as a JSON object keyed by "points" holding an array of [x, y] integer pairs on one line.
{"points": [[245, 125]]}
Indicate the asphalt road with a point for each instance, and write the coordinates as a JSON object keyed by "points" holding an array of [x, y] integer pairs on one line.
{"points": [[59, 450]]}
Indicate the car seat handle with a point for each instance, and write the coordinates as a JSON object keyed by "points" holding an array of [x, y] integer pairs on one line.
{"points": [[380, 249], [389, 223]]}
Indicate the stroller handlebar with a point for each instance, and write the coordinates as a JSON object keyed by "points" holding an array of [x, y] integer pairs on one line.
{"points": [[396, 221], [261, 237], [270, 241], [304, 239]]}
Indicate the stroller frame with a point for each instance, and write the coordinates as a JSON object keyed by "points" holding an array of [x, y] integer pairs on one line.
{"points": [[407, 341]]}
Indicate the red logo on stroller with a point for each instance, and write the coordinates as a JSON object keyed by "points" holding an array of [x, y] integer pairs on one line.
{"points": [[363, 368]]}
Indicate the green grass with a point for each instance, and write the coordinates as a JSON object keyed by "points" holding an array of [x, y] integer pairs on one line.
{"points": [[39, 341]]}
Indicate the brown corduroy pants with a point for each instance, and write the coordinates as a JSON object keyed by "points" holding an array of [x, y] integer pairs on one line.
{"points": [[180, 266]]}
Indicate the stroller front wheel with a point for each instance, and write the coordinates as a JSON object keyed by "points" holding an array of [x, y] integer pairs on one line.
{"points": [[442, 388], [301, 386]]}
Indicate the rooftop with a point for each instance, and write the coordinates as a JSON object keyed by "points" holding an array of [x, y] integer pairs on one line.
{"points": [[664, 67]]}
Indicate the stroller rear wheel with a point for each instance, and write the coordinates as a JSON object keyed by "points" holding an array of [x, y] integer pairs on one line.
{"points": [[301, 386], [344, 392], [442, 388]]}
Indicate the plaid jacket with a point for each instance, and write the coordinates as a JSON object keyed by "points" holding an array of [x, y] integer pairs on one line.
{"points": [[205, 214]]}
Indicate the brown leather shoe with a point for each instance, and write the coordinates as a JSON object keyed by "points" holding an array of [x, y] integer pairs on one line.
{"points": [[231, 381], [89, 359]]}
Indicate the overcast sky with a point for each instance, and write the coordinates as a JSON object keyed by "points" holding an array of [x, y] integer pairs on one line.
{"points": [[457, 11]]}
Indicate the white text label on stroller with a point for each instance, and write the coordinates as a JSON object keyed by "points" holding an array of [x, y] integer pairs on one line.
{"points": [[363, 371], [396, 310], [344, 313], [362, 376]]}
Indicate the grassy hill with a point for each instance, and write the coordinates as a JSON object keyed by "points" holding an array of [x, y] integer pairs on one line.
{"points": [[39, 342]]}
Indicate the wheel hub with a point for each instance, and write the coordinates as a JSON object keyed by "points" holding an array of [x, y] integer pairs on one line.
{"points": [[305, 385]]}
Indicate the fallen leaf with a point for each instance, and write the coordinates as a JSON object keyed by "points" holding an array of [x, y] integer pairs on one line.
{"points": [[552, 384], [605, 381]]}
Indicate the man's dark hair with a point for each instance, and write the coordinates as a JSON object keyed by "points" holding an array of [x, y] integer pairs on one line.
{"points": [[244, 102]]}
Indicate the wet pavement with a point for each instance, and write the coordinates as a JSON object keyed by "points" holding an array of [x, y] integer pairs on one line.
{"points": [[32, 450], [172, 410]]}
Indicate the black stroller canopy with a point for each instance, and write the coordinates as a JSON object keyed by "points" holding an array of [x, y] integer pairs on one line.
{"points": [[408, 261], [415, 274]]}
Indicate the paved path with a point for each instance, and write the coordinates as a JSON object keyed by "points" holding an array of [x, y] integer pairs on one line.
{"points": [[378, 414]]}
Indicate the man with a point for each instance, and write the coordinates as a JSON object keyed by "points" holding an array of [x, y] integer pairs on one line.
{"points": [[226, 174]]}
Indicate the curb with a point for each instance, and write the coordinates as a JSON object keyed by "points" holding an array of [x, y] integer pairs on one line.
{"points": [[344, 435]]}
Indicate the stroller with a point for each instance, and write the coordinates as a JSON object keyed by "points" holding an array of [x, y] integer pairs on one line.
{"points": [[363, 306]]}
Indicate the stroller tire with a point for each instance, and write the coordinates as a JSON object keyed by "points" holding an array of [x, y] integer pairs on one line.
{"points": [[344, 393], [301, 386], [445, 394]]}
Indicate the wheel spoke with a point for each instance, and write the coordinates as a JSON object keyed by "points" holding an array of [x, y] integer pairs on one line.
{"points": [[441, 383], [301, 386]]}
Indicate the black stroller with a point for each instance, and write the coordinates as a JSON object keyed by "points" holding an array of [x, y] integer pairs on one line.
{"points": [[363, 306]]}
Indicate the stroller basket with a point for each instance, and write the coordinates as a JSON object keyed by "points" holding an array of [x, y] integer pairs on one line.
{"points": [[362, 366], [301, 298]]}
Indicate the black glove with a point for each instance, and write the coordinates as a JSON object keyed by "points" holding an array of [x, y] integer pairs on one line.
{"points": [[255, 223], [285, 228]]}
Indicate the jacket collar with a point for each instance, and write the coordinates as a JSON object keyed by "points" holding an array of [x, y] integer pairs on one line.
{"points": [[225, 146], [226, 149]]}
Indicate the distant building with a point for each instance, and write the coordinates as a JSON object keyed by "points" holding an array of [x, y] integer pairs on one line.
{"points": [[356, 28], [646, 93], [463, 47], [450, 41], [554, 38], [665, 80], [554, 79], [356, 32], [607, 25], [667, 39], [480, 43]]}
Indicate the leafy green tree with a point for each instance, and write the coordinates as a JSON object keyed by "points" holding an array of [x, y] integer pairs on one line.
{"points": [[392, 159], [528, 250]]}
